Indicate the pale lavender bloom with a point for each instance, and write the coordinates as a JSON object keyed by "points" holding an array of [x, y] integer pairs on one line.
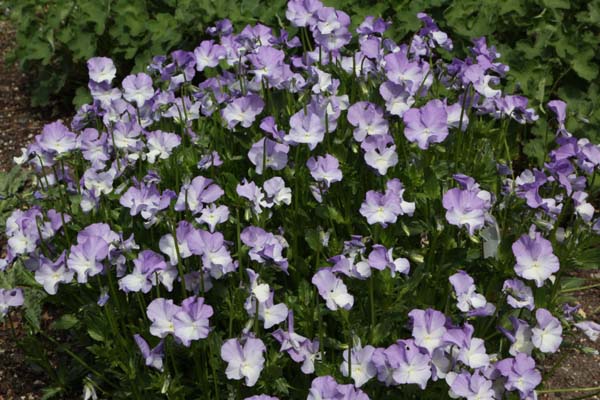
{"points": [[161, 312], [268, 312], [363, 369], [559, 108], [300, 349], [472, 386], [222, 27], [216, 258], [347, 266], [302, 12], [325, 169], [457, 116], [381, 258], [152, 357], [261, 397], [514, 107], [307, 128], [101, 69], [547, 334], [138, 88], [94, 147], [50, 274], [10, 298], [384, 208], [250, 191], [535, 258], [410, 363], [276, 192], [109, 99], [397, 99], [276, 156], [160, 145], [379, 154], [465, 208], [210, 160], [367, 119], [372, 26], [590, 328], [166, 244], [208, 55], [426, 125], [326, 388], [146, 200], [520, 373], [191, 321], [471, 350], [213, 215], [520, 336], [519, 295], [332, 289], [142, 276], [331, 28], [243, 110], [56, 139], [476, 76], [428, 328], [196, 195], [244, 362], [265, 247], [410, 74], [86, 258], [468, 300], [433, 33]]}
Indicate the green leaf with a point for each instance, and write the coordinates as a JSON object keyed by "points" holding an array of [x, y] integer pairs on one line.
{"points": [[65, 322]]}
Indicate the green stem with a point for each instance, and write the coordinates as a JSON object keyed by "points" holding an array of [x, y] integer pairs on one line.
{"points": [[577, 289]]}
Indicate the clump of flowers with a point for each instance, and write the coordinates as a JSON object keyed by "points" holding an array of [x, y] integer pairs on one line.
{"points": [[308, 213]]}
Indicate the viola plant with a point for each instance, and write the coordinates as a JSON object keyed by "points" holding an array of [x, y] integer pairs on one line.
{"points": [[309, 213]]}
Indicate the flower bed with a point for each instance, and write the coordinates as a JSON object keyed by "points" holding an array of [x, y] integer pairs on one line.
{"points": [[320, 216]]}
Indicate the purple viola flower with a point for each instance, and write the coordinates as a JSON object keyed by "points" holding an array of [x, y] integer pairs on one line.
{"points": [[56, 139], [265, 247], [476, 76], [471, 350], [197, 194], [547, 334], [410, 363], [10, 298], [331, 29], [302, 12], [274, 155], [380, 153], [276, 193], [428, 328], [326, 388], [243, 111], [384, 208], [559, 108], [152, 357], [253, 193], [191, 321], [94, 147], [86, 258], [457, 116], [208, 55], [213, 215], [270, 313], [410, 74], [519, 295], [363, 369], [142, 276], [535, 258], [468, 300], [300, 349], [138, 88], [101, 69], [381, 258], [146, 200], [515, 108], [520, 374], [50, 274], [216, 258], [519, 336], [332, 289], [367, 119], [161, 312], [590, 328], [307, 128], [244, 362], [325, 169], [465, 208], [472, 386], [166, 244], [426, 125], [261, 397], [160, 145], [397, 99]]}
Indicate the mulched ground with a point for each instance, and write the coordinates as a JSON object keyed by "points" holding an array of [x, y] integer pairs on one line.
{"points": [[19, 380]]}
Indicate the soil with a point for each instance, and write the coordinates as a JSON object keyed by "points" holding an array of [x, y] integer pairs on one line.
{"points": [[19, 123]]}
